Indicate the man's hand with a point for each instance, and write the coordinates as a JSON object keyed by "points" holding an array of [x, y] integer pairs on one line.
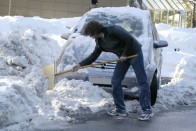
{"points": [[123, 58], [75, 68]]}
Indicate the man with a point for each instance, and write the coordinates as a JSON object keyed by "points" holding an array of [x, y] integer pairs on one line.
{"points": [[118, 41]]}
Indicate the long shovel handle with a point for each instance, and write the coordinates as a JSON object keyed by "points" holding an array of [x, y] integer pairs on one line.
{"points": [[100, 63]]}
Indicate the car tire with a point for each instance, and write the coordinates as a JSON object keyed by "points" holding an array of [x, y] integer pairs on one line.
{"points": [[154, 88]]}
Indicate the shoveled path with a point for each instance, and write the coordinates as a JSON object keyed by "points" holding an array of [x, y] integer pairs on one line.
{"points": [[178, 119]]}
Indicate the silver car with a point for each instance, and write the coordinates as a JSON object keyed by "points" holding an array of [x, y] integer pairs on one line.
{"points": [[138, 23]]}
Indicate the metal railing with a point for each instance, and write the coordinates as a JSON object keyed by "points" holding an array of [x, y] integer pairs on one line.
{"points": [[175, 12]]}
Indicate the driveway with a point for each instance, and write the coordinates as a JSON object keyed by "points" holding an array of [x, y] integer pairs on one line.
{"points": [[178, 119]]}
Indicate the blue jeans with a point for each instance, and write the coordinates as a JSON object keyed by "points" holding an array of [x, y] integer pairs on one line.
{"points": [[119, 74]]}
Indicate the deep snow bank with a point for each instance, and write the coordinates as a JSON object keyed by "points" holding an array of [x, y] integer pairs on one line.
{"points": [[179, 63], [26, 46], [181, 45], [24, 50]]}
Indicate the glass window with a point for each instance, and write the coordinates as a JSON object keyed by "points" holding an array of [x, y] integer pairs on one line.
{"points": [[154, 4], [174, 6], [167, 5], [130, 23], [147, 4], [160, 4], [179, 4]]}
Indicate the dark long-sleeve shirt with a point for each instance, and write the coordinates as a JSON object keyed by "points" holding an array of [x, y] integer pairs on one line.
{"points": [[116, 40]]}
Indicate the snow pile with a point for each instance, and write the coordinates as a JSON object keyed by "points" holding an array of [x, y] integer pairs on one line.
{"points": [[24, 52], [181, 45], [19, 102], [76, 97], [46, 26], [28, 48], [182, 88], [180, 64], [27, 45]]}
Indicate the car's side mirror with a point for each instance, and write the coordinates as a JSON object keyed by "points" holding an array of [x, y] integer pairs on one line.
{"points": [[160, 43], [65, 36]]}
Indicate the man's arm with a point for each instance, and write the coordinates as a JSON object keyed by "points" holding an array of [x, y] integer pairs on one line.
{"points": [[92, 57]]}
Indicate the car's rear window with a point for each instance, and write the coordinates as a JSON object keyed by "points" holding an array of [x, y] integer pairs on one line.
{"points": [[130, 23]]}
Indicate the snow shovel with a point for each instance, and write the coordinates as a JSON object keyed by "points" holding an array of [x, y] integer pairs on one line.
{"points": [[50, 70]]}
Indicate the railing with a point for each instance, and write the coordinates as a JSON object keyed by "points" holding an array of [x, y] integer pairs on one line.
{"points": [[174, 12]]}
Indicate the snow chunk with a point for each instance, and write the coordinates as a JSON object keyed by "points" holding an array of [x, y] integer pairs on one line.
{"points": [[18, 61]]}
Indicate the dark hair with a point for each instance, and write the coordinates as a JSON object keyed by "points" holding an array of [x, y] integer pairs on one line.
{"points": [[92, 28]]}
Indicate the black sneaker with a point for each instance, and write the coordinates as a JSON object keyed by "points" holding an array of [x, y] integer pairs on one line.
{"points": [[117, 113]]}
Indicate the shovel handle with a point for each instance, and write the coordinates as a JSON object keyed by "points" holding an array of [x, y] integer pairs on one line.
{"points": [[91, 65]]}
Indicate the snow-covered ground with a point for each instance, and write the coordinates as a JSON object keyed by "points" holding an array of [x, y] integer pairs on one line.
{"points": [[29, 44]]}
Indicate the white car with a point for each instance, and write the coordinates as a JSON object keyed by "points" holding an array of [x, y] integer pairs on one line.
{"points": [[138, 23]]}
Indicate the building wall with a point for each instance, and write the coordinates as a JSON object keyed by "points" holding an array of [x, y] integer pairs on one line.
{"points": [[52, 8]]}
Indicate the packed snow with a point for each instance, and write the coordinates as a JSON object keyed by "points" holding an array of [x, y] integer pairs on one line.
{"points": [[29, 44]]}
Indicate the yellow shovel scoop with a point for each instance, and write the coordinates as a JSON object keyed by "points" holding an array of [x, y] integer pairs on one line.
{"points": [[50, 71]]}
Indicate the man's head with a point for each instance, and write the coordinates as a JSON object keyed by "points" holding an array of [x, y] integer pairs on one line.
{"points": [[93, 29]]}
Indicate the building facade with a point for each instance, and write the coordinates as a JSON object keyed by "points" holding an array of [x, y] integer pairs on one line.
{"points": [[52, 8]]}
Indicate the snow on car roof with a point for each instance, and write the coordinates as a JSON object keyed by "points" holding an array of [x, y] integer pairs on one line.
{"points": [[119, 12], [122, 10]]}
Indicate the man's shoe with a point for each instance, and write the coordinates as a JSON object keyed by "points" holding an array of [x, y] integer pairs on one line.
{"points": [[117, 113], [145, 116]]}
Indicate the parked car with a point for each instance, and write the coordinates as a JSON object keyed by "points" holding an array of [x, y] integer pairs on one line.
{"points": [[139, 24]]}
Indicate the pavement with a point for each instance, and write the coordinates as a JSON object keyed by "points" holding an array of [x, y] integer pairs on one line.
{"points": [[178, 119]]}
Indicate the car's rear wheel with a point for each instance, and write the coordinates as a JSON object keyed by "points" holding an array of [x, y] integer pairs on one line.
{"points": [[154, 88]]}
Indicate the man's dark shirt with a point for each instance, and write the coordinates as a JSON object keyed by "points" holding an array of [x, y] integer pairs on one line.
{"points": [[116, 40]]}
